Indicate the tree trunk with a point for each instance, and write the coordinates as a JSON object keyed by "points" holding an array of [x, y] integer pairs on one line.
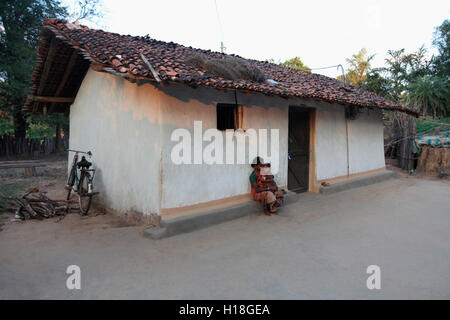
{"points": [[57, 136], [20, 125]]}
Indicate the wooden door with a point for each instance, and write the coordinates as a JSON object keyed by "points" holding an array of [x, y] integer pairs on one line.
{"points": [[298, 149]]}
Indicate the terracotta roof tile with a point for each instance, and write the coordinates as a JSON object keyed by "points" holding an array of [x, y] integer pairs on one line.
{"points": [[121, 53]]}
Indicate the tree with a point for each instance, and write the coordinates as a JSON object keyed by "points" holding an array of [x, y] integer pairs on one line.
{"points": [[295, 63], [358, 68], [429, 94], [441, 40], [403, 68], [20, 21], [376, 81]]}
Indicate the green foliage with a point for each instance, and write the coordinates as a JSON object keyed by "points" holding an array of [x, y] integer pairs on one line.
{"points": [[393, 80], [41, 126], [424, 125], [39, 129], [403, 68], [295, 63], [377, 82], [411, 79], [441, 40], [358, 68], [429, 94], [20, 21], [6, 124]]}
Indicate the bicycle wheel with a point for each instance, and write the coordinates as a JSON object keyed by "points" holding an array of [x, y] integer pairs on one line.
{"points": [[70, 183], [69, 193], [72, 174], [84, 198]]}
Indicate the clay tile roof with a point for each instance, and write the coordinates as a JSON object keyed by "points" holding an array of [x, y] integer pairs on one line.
{"points": [[121, 55]]}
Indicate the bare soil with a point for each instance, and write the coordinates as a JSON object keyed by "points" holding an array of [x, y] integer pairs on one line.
{"points": [[316, 248], [51, 179]]}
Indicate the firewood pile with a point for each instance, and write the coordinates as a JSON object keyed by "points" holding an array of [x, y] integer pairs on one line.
{"points": [[36, 205]]}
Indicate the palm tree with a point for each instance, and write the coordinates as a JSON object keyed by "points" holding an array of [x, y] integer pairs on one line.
{"points": [[429, 94], [358, 68]]}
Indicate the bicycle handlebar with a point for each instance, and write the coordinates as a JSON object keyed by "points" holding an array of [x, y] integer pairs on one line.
{"points": [[77, 151]]}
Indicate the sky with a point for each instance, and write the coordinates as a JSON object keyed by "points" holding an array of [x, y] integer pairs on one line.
{"points": [[321, 32]]}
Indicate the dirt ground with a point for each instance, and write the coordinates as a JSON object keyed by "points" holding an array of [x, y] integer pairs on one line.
{"points": [[52, 179], [318, 247]]}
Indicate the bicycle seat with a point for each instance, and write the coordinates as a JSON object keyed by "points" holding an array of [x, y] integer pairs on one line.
{"points": [[83, 164]]}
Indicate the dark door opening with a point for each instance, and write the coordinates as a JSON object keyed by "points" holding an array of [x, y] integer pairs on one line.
{"points": [[298, 149]]}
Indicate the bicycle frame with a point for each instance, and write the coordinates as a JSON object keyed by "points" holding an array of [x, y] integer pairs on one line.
{"points": [[73, 179], [76, 182]]}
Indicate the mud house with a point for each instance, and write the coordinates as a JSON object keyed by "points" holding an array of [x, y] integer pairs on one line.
{"points": [[127, 96]]}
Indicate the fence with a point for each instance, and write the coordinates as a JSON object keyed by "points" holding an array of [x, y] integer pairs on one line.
{"points": [[14, 148], [399, 144]]}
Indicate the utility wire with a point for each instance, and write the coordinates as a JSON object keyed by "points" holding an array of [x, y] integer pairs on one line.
{"points": [[335, 66]]}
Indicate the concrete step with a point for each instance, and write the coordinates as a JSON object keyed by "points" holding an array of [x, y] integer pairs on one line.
{"points": [[209, 218], [357, 182]]}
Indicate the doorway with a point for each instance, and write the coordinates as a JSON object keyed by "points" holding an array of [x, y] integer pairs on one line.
{"points": [[298, 149]]}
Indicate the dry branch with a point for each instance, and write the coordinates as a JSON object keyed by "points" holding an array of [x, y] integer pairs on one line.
{"points": [[29, 206]]}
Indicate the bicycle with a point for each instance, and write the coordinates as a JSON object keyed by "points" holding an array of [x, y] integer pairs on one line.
{"points": [[83, 185]]}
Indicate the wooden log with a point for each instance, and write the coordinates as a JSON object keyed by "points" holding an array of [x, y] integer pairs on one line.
{"points": [[48, 202], [24, 203], [38, 207]]}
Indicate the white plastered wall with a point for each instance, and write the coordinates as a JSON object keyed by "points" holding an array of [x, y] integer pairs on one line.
{"points": [[188, 184], [120, 124], [365, 142], [128, 129]]}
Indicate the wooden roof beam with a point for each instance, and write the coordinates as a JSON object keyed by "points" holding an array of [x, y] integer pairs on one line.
{"points": [[46, 70], [51, 99], [65, 77]]}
